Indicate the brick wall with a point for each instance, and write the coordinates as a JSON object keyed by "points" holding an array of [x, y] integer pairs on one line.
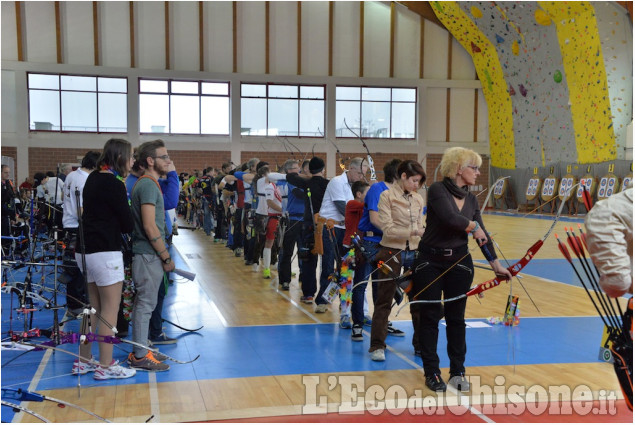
{"points": [[47, 159], [433, 161], [12, 152], [197, 160], [277, 158]]}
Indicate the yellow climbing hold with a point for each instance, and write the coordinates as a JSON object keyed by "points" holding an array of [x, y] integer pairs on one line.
{"points": [[542, 17], [515, 48], [476, 12]]}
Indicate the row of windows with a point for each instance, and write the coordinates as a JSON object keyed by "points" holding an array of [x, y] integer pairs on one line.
{"points": [[99, 104]]}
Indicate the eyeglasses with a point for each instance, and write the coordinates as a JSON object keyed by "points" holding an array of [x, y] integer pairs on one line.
{"points": [[473, 167], [163, 157]]}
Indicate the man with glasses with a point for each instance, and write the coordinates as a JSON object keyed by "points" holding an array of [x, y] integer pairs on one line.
{"points": [[151, 261], [338, 193]]}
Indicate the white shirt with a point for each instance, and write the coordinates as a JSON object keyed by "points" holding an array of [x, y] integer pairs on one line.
{"points": [[75, 180], [262, 208], [338, 189], [272, 194], [50, 186]]}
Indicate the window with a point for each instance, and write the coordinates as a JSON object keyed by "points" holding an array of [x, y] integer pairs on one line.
{"points": [[77, 103], [183, 107], [376, 112], [281, 109]]}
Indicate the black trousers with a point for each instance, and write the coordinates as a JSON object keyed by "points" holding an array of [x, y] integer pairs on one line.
{"points": [[292, 237], [456, 281]]}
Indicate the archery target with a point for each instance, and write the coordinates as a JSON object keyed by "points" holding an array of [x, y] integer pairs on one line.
{"points": [[500, 188], [589, 182], [549, 188], [608, 185], [564, 192], [533, 187], [626, 182]]}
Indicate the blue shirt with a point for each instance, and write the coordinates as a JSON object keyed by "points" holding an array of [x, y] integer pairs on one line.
{"points": [[371, 202], [295, 204]]}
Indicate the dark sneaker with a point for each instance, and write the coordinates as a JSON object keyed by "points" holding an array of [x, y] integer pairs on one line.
{"points": [[368, 321], [459, 382], [285, 286], [394, 331], [435, 383], [306, 300], [163, 339], [356, 334], [149, 363]]}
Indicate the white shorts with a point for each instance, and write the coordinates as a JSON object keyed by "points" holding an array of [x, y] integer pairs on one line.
{"points": [[104, 268]]}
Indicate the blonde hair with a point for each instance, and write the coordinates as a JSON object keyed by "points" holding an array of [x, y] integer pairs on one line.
{"points": [[456, 158]]}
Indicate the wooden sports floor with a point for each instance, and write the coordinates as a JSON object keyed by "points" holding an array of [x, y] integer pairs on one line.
{"points": [[266, 357]]}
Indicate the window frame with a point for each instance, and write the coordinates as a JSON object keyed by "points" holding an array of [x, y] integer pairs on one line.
{"points": [[200, 94], [59, 90], [390, 102], [298, 98]]}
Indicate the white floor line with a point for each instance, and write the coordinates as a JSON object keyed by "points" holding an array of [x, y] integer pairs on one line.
{"points": [[449, 388], [202, 287], [34, 382], [295, 303], [155, 404]]}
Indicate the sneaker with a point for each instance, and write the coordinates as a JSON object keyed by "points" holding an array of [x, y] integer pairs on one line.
{"points": [[158, 356], [378, 355], [357, 334], [266, 274], [249, 262], [216, 240], [149, 363], [163, 339], [394, 331], [254, 267], [82, 368], [114, 371], [306, 300], [459, 382], [285, 286], [368, 321], [321, 308], [345, 322], [238, 252], [435, 383]]}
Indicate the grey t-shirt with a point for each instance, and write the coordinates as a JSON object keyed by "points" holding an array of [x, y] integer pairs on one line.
{"points": [[146, 191]]}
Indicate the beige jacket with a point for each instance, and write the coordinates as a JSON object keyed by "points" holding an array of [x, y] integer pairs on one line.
{"points": [[610, 239], [399, 214]]}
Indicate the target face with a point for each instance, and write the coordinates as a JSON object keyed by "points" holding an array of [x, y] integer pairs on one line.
{"points": [[608, 185], [549, 188], [533, 187]]}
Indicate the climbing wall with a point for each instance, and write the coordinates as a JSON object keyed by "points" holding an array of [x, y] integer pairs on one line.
{"points": [[542, 68], [616, 37]]}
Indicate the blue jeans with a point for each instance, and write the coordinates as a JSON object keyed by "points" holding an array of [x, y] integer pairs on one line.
{"points": [[361, 274], [207, 216], [328, 259]]}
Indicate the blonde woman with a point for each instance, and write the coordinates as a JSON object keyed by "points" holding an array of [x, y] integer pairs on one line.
{"points": [[453, 216]]}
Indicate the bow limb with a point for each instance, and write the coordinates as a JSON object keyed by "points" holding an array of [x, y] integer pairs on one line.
{"points": [[25, 410], [371, 163], [337, 151], [24, 395], [491, 190]]}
